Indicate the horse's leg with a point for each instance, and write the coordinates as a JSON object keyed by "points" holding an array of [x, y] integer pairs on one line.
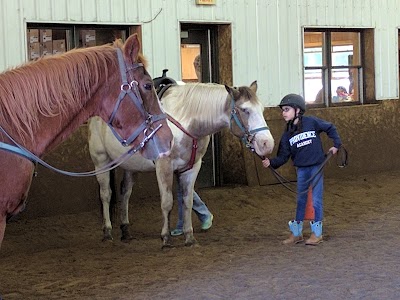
{"points": [[165, 179], [100, 158], [126, 191], [105, 196], [186, 182]]}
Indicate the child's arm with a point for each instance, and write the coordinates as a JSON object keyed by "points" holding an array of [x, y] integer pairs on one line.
{"points": [[332, 133], [282, 157]]}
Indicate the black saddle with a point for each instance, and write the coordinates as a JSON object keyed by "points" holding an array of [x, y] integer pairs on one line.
{"points": [[161, 84]]}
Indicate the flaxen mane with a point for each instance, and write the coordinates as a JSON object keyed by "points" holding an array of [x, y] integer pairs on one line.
{"points": [[205, 101], [52, 86]]}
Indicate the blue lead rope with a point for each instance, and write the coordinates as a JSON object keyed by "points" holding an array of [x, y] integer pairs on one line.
{"points": [[22, 151]]}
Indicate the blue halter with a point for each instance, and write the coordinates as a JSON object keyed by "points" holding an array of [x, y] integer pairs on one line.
{"points": [[248, 135]]}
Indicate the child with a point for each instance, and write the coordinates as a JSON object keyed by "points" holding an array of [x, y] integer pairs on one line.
{"points": [[301, 141]]}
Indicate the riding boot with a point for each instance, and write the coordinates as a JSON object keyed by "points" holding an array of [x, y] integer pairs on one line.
{"points": [[296, 236], [316, 233]]}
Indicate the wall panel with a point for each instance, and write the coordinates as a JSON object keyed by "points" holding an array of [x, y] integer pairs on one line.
{"points": [[266, 35]]}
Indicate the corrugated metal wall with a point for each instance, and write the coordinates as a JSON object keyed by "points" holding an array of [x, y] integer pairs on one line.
{"points": [[267, 34]]}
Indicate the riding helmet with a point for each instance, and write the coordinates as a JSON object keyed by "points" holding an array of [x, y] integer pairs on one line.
{"points": [[294, 101]]}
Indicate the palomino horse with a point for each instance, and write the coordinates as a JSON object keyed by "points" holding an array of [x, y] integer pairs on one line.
{"points": [[43, 102], [196, 111]]}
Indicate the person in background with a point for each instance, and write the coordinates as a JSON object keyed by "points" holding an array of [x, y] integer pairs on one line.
{"points": [[199, 207], [341, 94], [302, 143]]}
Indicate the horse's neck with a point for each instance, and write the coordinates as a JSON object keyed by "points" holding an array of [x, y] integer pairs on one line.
{"points": [[55, 130], [65, 131], [200, 129], [198, 126]]}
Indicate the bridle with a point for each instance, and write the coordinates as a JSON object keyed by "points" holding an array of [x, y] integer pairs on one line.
{"points": [[131, 89], [247, 136]]}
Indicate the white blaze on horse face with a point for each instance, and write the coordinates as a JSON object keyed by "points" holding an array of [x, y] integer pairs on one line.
{"points": [[263, 141]]}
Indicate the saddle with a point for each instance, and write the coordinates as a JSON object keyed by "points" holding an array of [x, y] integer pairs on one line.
{"points": [[161, 84]]}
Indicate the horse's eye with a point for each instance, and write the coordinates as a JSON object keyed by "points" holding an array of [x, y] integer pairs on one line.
{"points": [[148, 86], [245, 110]]}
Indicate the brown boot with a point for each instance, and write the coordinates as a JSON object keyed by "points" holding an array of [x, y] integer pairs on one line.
{"points": [[293, 240], [314, 240], [316, 233]]}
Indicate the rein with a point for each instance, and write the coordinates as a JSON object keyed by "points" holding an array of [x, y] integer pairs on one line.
{"points": [[130, 89], [342, 152]]}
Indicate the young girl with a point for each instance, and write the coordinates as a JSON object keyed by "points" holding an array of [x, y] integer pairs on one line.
{"points": [[301, 141]]}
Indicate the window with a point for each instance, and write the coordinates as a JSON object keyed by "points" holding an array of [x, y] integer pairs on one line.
{"points": [[49, 39], [333, 68]]}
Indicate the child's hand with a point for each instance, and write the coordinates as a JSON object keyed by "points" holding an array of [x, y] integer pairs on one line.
{"points": [[266, 163], [334, 150]]}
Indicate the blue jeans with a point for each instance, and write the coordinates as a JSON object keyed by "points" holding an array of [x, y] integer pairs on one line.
{"points": [[199, 207], [304, 174]]}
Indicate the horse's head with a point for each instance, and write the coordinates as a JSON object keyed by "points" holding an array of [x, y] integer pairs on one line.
{"points": [[135, 116], [247, 119]]}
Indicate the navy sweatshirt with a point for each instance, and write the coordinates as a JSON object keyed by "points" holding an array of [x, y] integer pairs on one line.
{"points": [[305, 148]]}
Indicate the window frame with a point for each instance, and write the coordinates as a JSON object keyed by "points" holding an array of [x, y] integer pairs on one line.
{"points": [[326, 67], [73, 33]]}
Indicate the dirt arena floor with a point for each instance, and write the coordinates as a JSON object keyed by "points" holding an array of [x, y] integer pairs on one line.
{"points": [[240, 257]]}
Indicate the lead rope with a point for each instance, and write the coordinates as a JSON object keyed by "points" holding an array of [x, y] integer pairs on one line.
{"points": [[342, 154], [22, 151]]}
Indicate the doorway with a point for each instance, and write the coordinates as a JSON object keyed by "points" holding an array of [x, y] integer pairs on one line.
{"points": [[200, 62]]}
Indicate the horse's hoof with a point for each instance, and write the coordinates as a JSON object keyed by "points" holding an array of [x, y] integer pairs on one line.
{"points": [[126, 236], [107, 238], [166, 242], [126, 239], [191, 243], [167, 246]]}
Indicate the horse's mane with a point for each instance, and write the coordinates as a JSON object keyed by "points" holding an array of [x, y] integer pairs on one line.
{"points": [[52, 86], [205, 101]]}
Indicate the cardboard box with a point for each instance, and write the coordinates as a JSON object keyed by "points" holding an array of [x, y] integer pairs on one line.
{"points": [[33, 51], [45, 35], [33, 36], [88, 38], [47, 48], [58, 46]]}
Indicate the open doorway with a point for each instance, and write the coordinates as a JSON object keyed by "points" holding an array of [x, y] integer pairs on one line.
{"points": [[202, 47]]}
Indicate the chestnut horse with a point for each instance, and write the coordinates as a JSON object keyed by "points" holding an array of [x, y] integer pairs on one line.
{"points": [[195, 110], [43, 102]]}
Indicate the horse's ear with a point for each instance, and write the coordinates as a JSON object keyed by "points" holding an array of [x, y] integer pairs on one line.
{"points": [[254, 86], [233, 92], [132, 48]]}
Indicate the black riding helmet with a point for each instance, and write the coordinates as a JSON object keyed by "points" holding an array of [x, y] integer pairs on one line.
{"points": [[294, 101]]}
